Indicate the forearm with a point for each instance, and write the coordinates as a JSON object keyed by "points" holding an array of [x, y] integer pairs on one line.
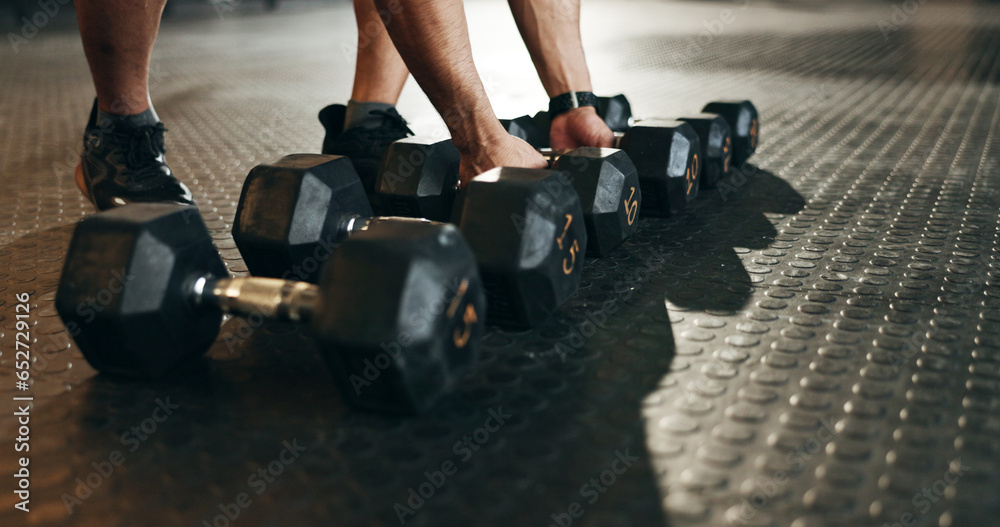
{"points": [[433, 39], [551, 32]]}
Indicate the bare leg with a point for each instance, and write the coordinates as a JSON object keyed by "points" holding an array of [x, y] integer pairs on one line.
{"points": [[433, 39], [551, 31], [380, 73], [118, 37]]}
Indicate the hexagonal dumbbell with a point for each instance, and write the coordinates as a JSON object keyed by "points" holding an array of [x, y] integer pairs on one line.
{"points": [[722, 145], [716, 146], [525, 227], [526, 128], [744, 122], [143, 288], [418, 180], [527, 230], [615, 111], [741, 117], [609, 190], [665, 155]]}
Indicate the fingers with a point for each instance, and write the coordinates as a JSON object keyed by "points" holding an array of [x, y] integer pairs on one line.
{"points": [[580, 127], [606, 137], [511, 152]]}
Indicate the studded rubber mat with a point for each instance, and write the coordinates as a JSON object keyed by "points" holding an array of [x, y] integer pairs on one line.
{"points": [[815, 343]]}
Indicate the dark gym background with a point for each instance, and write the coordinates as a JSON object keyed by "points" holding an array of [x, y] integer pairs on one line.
{"points": [[817, 344]]}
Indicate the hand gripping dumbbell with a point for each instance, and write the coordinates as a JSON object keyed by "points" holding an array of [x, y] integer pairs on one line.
{"points": [[729, 131], [740, 116], [415, 170], [665, 154], [525, 227], [143, 288]]}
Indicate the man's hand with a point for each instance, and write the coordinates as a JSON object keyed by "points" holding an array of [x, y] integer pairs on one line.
{"points": [[503, 151], [579, 127]]}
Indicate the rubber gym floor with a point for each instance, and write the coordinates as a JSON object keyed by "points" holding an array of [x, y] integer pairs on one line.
{"points": [[815, 343]]}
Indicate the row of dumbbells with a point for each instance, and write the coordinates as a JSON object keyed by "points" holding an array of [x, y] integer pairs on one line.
{"points": [[658, 167], [143, 286], [674, 157]]}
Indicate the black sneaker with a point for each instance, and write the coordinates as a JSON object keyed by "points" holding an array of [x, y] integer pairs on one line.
{"points": [[364, 146], [123, 163]]}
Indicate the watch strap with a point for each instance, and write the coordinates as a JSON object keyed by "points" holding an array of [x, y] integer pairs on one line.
{"points": [[571, 100]]}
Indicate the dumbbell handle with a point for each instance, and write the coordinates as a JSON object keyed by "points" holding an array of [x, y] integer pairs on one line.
{"points": [[552, 154], [271, 298]]}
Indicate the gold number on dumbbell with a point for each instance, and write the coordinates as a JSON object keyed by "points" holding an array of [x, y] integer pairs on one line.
{"points": [[568, 264], [692, 173], [462, 335], [631, 207], [573, 248], [753, 133]]}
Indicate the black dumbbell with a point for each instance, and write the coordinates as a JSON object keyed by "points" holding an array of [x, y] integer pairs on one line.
{"points": [[609, 190], [741, 117], [525, 227], [716, 126], [604, 178], [716, 142], [744, 121], [616, 112], [723, 145], [144, 288], [664, 153]]}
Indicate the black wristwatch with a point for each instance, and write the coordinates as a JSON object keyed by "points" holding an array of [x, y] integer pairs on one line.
{"points": [[570, 100]]}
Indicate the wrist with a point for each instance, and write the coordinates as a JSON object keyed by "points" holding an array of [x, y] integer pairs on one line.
{"points": [[571, 100], [582, 110], [474, 134]]}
